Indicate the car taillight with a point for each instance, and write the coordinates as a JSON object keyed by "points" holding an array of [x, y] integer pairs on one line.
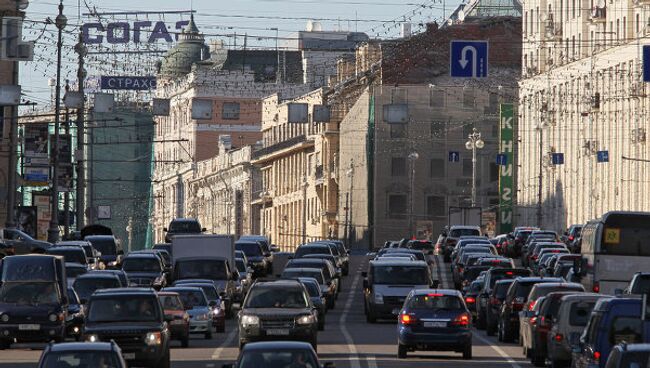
{"points": [[596, 287], [533, 320], [510, 273], [596, 355], [558, 337], [534, 257], [470, 300], [461, 321], [531, 304], [407, 319]]}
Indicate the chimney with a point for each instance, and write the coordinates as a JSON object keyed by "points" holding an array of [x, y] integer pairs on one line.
{"points": [[432, 27]]}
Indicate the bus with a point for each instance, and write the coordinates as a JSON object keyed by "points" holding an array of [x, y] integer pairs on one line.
{"points": [[614, 247]]}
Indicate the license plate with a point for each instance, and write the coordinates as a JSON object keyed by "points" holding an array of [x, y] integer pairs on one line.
{"points": [[128, 356], [435, 324], [29, 327], [277, 332]]}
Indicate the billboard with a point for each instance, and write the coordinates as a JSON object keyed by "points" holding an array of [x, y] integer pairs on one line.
{"points": [[507, 124], [42, 200], [133, 83], [35, 140], [26, 219]]}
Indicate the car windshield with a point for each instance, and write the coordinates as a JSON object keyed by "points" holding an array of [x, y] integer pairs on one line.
{"points": [[635, 359], [106, 246], [170, 302], [580, 312], [501, 289], [302, 251], [75, 271], [86, 286], [292, 273], [29, 293], [88, 250], [70, 255], [124, 308], [312, 289], [192, 298], [641, 285], [72, 296], [184, 227], [435, 302], [400, 275], [249, 249], [201, 269], [278, 359], [210, 292], [276, 297], [457, 233], [68, 359], [137, 264], [241, 266]]}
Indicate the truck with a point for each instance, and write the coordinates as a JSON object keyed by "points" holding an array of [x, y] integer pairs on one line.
{"points": [[207, 257], [468, 216]]}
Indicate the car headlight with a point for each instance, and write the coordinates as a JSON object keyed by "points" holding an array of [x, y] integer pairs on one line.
{"points": [[305, 320], [5, 318], [250, 321], [202, 317], [92, 338], [153, 338], [216, 311], [379, 299]]}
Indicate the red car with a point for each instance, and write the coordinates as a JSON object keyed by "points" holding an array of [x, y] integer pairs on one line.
{"points": [[179, 326]]}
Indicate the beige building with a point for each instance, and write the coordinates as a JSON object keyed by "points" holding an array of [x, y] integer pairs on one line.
{"points": [[298, 162], [584, 93]]}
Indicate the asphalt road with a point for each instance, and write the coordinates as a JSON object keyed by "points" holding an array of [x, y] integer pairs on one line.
{"points": [[348, 340]]}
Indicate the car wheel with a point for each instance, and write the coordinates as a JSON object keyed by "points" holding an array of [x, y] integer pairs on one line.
{"points": [[164, 362], [467, 352], [401, 351], [208, 335]]}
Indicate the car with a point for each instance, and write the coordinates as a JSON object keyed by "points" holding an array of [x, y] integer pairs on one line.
{"points": [[387, 283], [572, 317], [74, 321], [317, 299], [426, 246], [120, 274], [327, 288], [255, 257], [434, 319], [244, 282], [527, 321], [339, 256], [144, 270], [179, 324], [163, 255], [197, 307], [278, 354], [73, 270], [268, 248], [345, 256], [312, 248], [451, 236], [92, 255], [70, 254], [278, 310], [626, 355], [134, 319], [86, 284], [571, 235], [471, 273], [545, 288], [78, 355], [217, 307], [516, 298], [519, 238], [640, 284], [109, 248], [471, 295], [464, 242], [405, 256], [164, 246], [485, 319], [6, 249], [330, 272], [22, 243], [501, 243], [418, 254], [180, 226]]}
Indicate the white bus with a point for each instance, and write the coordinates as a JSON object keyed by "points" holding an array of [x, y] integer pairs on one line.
{"points": [[614, 247]]}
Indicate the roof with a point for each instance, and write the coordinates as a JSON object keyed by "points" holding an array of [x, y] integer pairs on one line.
{"points": [[276, 345], [71, 243], [81, 346], [96, 275], [100, 237], [189, 49], [72, 248], [279, 283], [74, 264], [539, 278], [314, 245], [185, 219], [167, 293], [127, 291], [302, 269], [141, 255], [635, 347], [182, 288], [393, 262], [436, 291], [477, 9], [454, 227]]}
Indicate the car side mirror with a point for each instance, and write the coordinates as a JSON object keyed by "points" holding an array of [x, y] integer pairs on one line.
{"points": [[164, 229], [212, 304], [329, 365]]}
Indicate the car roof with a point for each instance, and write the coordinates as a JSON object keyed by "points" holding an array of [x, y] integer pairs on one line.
{"points": [[307, 279], [558, 284], [192, 281], [183, 288], [141, 255], [314, 245], [71, 243], [74, 264], [126, 291], [73, 248], [279, 283], [184, 219], [167, 293], [99, 237], [302, 269], [201, 259], [642, 347], [437, 291], [539, 278], [196, 284], [82, 346], [454, 227], [96, 275], [392, 262], [276, 345]]}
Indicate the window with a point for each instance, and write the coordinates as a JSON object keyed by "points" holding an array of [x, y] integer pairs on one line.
{"points": [[397, 205], [437, 168], [398, 166], [436, 206], [437, 99], [468, 98], [397, 130], [467, 167], [438, 129], [628, 329], [230, 110]]}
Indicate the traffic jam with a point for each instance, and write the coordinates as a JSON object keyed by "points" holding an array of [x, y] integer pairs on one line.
{"points": [[563, 298]]}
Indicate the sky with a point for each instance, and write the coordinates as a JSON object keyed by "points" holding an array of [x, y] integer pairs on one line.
{"points": [[217, 19]]}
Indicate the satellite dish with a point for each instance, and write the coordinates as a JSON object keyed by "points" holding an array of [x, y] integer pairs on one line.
{"points": [[461, 15], [310, 26]]}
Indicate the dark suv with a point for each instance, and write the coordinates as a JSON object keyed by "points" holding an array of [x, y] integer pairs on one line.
{"points": [[180, 226], [278, 310], [485, 316], [135, 320]]}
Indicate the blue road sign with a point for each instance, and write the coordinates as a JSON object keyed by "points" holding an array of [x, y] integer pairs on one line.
{"points": [[603, 156], [502, 159], [454, 156], [468, 59], [558, 158], [646, 63]]}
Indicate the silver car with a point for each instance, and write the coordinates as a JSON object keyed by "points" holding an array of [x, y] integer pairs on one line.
{"points": [[196, 305]]}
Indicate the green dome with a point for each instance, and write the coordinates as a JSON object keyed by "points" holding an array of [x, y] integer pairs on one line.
{"points": [[189, 49]]}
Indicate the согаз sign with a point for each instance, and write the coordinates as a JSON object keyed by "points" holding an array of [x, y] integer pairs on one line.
{"points": [[131, 83], [120, 32]]}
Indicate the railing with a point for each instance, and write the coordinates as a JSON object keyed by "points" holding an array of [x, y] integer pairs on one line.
{"points": [[279, 146]]}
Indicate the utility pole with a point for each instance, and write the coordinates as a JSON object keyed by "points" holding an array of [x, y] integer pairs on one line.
{"points": [[81, 50], [53, 232], [412, 157], [540, 178], [66, 195], [348, 203]]}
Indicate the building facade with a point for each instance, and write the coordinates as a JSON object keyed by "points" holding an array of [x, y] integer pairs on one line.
{"points": [[583, 99]]}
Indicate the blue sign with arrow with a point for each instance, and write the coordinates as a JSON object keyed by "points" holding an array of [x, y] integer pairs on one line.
{"points": [[646, 63], [603, 156], [558, 158], [468, 59], [502, 159], [454, 156]]}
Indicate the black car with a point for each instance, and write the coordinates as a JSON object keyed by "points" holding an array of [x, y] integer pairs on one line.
{"points": [[86, 284], [71, 254], [135, 320], [484, 317], [22, 243], [120, 274], [164, 246], [278, 310], [278, 354], [317, 299], [180, 226], [110, 249], [495, 301], [144, 270], [255, 256], [99, 354], [267, 248], [74, 321], [92, 255]]}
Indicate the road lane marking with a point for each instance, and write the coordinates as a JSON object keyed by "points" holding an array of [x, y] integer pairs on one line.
{"points": [[225, 344], [499, 351], [354, 359]]}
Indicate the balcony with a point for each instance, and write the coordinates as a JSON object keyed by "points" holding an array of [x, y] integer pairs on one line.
{"points": [[599, 14]]}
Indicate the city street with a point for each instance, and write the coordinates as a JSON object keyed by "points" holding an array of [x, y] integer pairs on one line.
{"points": [[348, 340]]}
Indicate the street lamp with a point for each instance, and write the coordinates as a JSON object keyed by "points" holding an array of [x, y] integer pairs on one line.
{"points": [[53, 232], [412, 157], [473, 143]]}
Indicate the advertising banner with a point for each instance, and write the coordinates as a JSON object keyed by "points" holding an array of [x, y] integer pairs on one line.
{"points": [[129, 83], [37, 176], [35, 144], [26, 220], [42, 200], [507, 123]]}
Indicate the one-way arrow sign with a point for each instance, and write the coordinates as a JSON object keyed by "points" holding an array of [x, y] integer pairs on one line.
{"points": [[468, 59]]}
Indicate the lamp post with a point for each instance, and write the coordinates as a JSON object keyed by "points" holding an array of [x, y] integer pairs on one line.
{"points": [[413, 156], [53, 232], [473, 143]]}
